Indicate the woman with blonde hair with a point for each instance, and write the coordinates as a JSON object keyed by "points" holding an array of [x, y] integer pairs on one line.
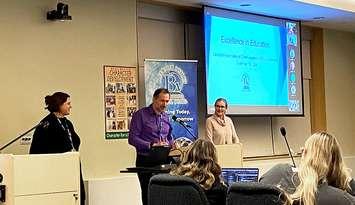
{"points": [[200, 163], [322, 176]]}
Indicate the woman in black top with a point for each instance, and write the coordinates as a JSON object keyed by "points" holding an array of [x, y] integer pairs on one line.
{"points": [[56, 133], [200, 163]]}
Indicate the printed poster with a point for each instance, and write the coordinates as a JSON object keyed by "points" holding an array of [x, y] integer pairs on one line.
{"points": [[121, 100]]}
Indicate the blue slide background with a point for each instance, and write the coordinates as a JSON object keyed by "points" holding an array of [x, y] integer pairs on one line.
{"points": [[245, 74]]}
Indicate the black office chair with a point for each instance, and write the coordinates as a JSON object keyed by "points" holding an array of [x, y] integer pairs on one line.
{"points": [[254, 193], [165, 189]]}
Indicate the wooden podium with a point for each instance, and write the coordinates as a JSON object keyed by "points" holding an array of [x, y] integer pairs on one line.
{"points": [[41, 179], [230, 155]]}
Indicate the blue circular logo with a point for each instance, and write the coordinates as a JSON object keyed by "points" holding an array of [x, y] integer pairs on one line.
{"points": [[292, 53], [293, 77]]}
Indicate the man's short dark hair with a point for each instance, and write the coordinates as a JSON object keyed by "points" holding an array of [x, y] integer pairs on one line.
{"points": [[160, 90]]}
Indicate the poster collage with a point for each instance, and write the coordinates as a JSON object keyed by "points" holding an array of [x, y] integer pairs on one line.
{"points": [[121, 100]]}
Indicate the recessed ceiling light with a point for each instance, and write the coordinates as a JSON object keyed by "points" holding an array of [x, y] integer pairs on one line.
{"points": [[244, 5], [318, 18]]}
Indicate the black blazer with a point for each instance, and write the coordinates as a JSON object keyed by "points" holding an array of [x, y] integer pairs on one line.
{"points": [[51, 137]]}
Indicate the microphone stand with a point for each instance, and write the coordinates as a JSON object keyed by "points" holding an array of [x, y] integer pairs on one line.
{"points": [[187, 129], [288, 148], [25, 133]]}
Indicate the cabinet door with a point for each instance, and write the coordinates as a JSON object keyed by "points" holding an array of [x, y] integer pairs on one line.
{"points": [[63, 198]]}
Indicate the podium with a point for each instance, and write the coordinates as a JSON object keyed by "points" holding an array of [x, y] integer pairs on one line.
{"points": [[230, 155], [41, 179]]}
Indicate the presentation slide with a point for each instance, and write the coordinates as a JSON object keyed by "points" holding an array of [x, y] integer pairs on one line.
{"points": [[253, 62]]}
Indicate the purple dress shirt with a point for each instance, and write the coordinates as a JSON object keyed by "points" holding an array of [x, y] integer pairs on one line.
{"points": [[147, 127]]}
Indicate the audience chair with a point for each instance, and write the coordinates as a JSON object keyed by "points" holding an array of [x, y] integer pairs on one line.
{"points": [[165, 189], [254, 193]]}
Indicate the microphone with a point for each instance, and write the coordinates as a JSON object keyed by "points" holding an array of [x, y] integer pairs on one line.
{"points": [[43, 124], [180, 121], [185, 125], [283, 133]]}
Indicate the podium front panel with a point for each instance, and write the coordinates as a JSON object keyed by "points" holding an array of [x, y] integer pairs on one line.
{"points": [[46, 173], [230, 155], [41, 178]]}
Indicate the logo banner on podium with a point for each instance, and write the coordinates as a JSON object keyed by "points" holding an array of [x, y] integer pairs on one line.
{"points": [[180, 78]]}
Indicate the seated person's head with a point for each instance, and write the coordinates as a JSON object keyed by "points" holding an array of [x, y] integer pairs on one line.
{"points": [[321, 162], [200, 163], [322, 159]]}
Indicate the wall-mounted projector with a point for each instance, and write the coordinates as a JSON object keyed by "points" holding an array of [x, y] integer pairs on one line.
{"points": [[61, 14]]}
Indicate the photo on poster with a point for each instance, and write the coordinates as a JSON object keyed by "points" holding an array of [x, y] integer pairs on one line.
{"points": [[110, 112], [110, 100]]}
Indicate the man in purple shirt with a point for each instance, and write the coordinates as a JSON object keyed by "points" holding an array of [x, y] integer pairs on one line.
{"points": [[150, 127]]}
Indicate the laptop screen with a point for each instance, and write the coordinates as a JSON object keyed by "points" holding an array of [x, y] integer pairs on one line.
{"points": [[231, 175]]}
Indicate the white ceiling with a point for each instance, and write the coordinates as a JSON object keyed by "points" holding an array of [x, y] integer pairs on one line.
{"points": [[338, 14]]}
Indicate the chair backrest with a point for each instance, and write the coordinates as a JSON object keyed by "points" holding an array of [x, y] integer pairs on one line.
{"points": [[254, 193], [175, 190]]}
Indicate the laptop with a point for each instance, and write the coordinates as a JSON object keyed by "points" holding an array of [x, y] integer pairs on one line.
{"points": [[231, 175], [159, 156]]}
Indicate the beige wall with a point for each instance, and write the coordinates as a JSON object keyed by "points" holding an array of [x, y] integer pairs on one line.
{"points": [[339, 66], [39, 57]]}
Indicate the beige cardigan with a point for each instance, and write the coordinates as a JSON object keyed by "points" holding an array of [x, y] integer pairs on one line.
{"points": [[219, 134]]}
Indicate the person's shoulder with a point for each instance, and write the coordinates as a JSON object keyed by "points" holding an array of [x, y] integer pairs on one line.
{"points": [[352, 187], [50, 116], [69, 121], [331, 195], [46, 123], [141, 110], [144, 111], [49, 119], [276, 172], [147, 109], [284, 167], [210, 118], [217, 185]]}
